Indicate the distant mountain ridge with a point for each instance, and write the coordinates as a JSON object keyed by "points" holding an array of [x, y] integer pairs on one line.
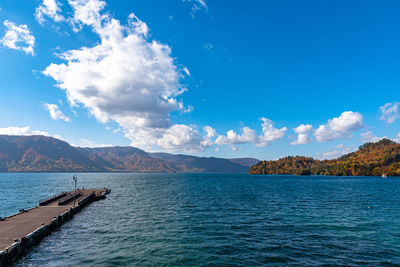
{"points": [[245, 161], [371, 159], [47, 154]]}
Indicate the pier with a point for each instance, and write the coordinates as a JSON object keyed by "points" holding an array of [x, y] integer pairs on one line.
{"points": [[21, 231]]}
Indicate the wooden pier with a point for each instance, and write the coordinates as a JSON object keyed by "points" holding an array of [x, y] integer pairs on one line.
{"points": [[21, 231]]}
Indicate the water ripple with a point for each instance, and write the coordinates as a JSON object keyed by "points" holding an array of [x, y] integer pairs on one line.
{"points": [[217, 220]]}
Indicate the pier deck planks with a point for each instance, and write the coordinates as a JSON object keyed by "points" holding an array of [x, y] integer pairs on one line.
{"points": [[23, 223]]}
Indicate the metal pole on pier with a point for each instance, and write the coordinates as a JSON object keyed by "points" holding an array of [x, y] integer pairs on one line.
{"points": [[75, 178]]}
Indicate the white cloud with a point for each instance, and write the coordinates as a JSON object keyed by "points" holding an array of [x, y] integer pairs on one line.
{"points": [[340, 127], [89, 143], [87, 13], [48, 8], [390, 112], [125, 78], [26, 131], [18, 37], [397, 138], [186, 70], [249, 136], [22, 131], [338, 151], [178, 137], [56, 113], [209, 136], [270, 133], [369, 137], [197, 5], [133, 81], [303, 134], [181, 137]]}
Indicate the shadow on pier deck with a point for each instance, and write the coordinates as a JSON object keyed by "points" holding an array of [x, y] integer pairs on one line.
{"points": [[21, 231]]}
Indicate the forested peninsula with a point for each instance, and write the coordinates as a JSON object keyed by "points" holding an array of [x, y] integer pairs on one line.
{"points": [[371, 159]]}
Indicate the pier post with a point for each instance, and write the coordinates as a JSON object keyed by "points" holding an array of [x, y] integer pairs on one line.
{"points": [[75, 178]]}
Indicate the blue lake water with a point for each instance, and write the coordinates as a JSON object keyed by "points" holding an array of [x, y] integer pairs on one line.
{"points": [[216, 220]]}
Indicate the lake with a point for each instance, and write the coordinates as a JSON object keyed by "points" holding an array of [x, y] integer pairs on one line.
{"points": [[216, 220]]}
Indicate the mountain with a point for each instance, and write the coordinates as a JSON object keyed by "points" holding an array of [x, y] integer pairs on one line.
{"points": [[244, 161], [47, 154], [371, 159], [41, 154], [128, 159], [196, 164]]}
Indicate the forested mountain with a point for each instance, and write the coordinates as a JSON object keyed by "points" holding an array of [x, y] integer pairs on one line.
{"points": [[47, 154], [371, 159], [42, 154], [244, 161], [192, 163]]}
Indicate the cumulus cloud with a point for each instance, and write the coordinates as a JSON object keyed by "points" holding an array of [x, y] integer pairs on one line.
{"points": [[197, 5], [26, 131], [181, 137], [270, 133], [18, 37], [338, 151], [249, 136], [50, 9], [89, 143], [390, 112], [56, 113], [340, 127], [134, 81], [87, 12], [126, 78], [370, 137], [303, 134], [21, 131], [208, 137]]}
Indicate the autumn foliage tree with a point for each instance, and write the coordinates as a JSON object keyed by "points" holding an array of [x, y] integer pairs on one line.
{"points": [[371, 159]]}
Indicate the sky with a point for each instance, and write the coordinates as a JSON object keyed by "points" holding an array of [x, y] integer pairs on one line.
{"points": [[261, 79]]}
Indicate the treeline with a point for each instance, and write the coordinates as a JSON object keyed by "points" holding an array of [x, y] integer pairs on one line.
{"points": [[372, 159]]}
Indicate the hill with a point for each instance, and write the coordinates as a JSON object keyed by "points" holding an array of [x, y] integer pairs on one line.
{"points": [[42, 154], [202, 164], [371, 159], [244, 161], [128, 159], [47, 154]]}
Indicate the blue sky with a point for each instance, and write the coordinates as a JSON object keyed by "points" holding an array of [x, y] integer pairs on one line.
{"points": [[213, 78]]}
